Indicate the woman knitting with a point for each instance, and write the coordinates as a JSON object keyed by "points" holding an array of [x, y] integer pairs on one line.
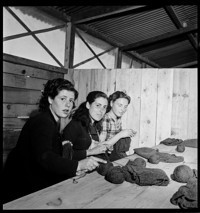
{"points": [[82, 131], [111, 130]]}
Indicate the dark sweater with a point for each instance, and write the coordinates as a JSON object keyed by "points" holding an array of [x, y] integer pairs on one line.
{"points": [[80, 138], [36, 162]]}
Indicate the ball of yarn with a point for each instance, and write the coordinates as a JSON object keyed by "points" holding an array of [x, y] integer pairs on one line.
{"points": [[182, 174], [155, 159], [180, 148], [137, 162], [115, 175], [102, 169]]}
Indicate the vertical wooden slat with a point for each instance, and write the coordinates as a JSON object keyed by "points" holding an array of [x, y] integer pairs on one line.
{"points": [[148, 107], [134, 108], [122, 84], [192, 108], [164, 101], [180, 103], [111, 83], [164, 104], [82, 86]]}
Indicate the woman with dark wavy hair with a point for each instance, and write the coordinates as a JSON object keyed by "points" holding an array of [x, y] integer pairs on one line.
{"points": [[84, 127], [37, 161]]}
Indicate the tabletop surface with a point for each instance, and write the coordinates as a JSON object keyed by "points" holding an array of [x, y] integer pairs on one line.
{"points": [[93, 191]]}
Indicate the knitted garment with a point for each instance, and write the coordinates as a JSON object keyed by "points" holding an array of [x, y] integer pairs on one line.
{"points": [[191, 143], [173, 142], [154, 156], [145, 152], [165, 157], [148, 176], [119, 149], [115, 175], [122, 145], [183, 173], [186, 196], [137, 162], [134, 172]]}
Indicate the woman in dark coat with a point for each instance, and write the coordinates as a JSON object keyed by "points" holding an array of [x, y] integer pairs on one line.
{"points": [[37, 162], [82, 131]]}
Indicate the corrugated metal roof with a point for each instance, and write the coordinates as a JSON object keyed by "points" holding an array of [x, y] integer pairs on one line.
{"points": [[139, 25]]}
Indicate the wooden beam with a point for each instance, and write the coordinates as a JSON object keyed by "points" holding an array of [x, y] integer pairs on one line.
{"points": [[90, 48], [89, 59], [31, 63], [34, 36], [159, 38], [171, 13], [69, 45], [96, 34], [96, 15], [193, 63], [143, 59], [118, 59], [33, 32]]}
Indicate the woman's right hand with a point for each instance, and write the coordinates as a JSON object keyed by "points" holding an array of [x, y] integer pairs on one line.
{"points": [[89, 163]]}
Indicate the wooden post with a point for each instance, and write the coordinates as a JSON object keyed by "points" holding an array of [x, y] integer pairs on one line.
{"points": [[69, 46], [118, 58]]}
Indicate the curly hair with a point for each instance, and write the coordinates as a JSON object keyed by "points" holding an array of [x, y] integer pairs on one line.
{"points": [[116, 95], [82, 113], [52, 88]]}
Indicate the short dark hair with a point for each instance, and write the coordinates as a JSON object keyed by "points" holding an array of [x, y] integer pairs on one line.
{"points": [[52, 88]]}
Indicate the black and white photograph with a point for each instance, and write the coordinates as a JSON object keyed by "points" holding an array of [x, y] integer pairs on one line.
{"points": [[100, 107]]}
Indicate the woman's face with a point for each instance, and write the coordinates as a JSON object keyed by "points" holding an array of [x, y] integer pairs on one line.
{"points": [[119, 106], [62, 104], [97, 109]]}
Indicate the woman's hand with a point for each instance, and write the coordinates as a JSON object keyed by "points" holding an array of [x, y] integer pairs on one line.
{"points": [[101, 148], [127, 133], [89, 163]]}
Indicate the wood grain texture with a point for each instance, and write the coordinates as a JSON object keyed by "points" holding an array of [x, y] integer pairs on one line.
{"points": [[94, 192]]}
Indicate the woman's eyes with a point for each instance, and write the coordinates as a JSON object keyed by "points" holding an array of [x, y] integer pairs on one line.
{"points": [[64, 99], [99, 106]]}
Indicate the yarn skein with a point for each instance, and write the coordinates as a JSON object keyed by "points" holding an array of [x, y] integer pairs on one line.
{"points": [[102, 169], [115, 175], [155, 159], [137, 162], [182, 174], [180, 147]]}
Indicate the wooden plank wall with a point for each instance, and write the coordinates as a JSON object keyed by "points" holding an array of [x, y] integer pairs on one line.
{"points": [[163, 101], [23, 81]]}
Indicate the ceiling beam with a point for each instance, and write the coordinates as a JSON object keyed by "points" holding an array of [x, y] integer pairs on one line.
{"points": [[172, 14], [193, 63], [156, 39], [106, 12], [96, 34]]}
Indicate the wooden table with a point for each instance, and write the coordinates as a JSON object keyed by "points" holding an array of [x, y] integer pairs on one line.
{"points": [[93, 191]]}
